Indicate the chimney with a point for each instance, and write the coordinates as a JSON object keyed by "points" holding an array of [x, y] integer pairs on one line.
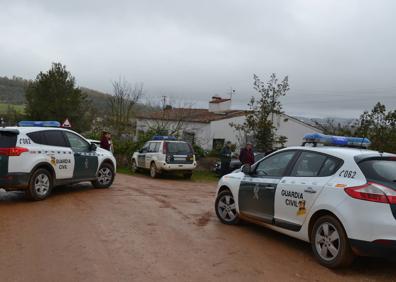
{"points": [[219, 105]]}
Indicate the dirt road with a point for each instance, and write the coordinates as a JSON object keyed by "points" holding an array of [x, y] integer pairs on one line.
{"points": [[150, 230]]}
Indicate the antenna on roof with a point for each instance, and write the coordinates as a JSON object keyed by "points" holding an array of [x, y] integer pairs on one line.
{"points": [[232, 92]]}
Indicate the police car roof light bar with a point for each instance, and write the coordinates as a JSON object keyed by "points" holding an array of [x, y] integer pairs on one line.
{"points": [[159, 137], [333, 140], [31, 123]]}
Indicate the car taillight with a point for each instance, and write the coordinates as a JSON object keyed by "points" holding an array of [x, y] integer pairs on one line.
{"points": [[373, 192], [13, 151], [165, 148]]}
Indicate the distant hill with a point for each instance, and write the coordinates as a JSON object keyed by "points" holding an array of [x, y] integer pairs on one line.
{"points": [[12, 91], [335, 120]]}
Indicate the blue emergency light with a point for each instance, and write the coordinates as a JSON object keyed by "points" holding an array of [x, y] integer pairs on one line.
{"points": [[332, 140], [159, 137], [31, 123]]}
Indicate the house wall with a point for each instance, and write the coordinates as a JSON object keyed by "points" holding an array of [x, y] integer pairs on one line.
{"points": [[294, 130], [221, 129], [201, 130]]}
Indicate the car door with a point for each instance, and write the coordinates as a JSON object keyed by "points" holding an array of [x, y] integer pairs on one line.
{"points": [[141, 157], [54, 144], [298, 192], [151, 152], [86, 160], [257, 190]]}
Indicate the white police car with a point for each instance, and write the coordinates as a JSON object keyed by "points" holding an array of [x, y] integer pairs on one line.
{"points": [[342, 200], [165, 153], [36, 156]]}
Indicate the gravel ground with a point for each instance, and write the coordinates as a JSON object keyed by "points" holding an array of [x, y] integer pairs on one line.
{"points": [[148, 230]]}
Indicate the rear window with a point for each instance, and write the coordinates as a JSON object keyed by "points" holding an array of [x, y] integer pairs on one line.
{"points": [[7, 139], [379, 170], [179, 148]]}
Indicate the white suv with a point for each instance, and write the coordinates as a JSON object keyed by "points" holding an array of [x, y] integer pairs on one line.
{"points": [[165, 153], [37, 158]]}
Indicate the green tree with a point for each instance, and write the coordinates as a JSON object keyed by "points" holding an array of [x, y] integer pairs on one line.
{"points": [[330, 127], [259, 123], [53, 95], [379, 126]]}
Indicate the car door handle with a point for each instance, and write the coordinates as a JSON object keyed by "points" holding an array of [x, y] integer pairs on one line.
{"points": [[310, 190], [269, 187]]}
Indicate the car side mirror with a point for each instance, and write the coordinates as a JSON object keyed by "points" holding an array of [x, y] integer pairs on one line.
{"points": [[246, 169], [92, 147]]}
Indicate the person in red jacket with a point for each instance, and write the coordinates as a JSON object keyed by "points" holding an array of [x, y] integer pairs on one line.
{"points": [[246, 156], [105, 141]]}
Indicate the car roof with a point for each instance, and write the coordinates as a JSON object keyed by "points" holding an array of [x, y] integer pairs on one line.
{"points": [[171, 141], [340, 152], [27, 129]]}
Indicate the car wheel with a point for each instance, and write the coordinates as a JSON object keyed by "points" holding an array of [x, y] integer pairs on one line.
{"points": [[153, 171], [187, 175], [225, 207], [134, 166], [40, 185], [330, 243], [105, 176]]}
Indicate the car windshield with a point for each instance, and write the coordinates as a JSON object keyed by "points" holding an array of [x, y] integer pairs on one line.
{"points": [[383, 171], [179, 148]]}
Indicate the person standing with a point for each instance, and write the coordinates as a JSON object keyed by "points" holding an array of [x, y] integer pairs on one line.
{"points": [[105, 142], [246, 155], [225, 158]]}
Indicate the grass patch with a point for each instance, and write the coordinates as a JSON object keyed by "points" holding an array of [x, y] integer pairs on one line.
{"points": [[204, 176], [124, 170], [19, 108], [198, 175]]}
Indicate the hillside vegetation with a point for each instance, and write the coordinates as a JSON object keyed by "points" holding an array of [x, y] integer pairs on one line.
{"points": [[12, 93]]}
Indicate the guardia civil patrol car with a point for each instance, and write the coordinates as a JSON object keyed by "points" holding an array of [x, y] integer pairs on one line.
{"points": [[165, 154], [340, 199], [36, 156]]}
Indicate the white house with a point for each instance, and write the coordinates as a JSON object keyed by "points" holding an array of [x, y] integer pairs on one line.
{"points": [[210, 128]]}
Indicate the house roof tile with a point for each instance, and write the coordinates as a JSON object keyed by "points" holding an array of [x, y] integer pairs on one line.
{"points": [[191, 115]]}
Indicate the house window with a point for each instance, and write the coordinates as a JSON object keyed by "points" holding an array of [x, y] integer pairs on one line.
{"points": [[218, 144], [189, 137]]}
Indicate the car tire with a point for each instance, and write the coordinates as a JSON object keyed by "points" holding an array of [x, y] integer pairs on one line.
{"points": [[40, 185], [134, 166], [225, 208], [105, 176], [187, 175], [330, 243], [153, 171]]}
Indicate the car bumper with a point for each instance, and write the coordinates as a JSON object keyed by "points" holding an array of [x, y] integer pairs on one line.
{"points": [[14, 181], [178, 167], [377, 248]]}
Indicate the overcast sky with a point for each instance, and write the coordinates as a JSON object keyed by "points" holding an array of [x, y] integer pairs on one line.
{"points": [[339, 55]]}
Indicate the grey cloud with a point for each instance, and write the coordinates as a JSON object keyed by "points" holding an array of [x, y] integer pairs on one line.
{"points": [[339, 55]]}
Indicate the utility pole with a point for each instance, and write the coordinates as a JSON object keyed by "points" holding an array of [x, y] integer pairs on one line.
{"points": [[163, 102]]}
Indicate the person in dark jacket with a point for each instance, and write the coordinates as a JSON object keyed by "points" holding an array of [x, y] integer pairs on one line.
{"points": [[105, 142], [246, 155], [225, 158]]}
